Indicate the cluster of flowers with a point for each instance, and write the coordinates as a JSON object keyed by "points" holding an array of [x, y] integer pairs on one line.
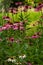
{"points": [[11, 39], [14, 60], [20, 5], [13, 10], [14, 26], [24, 8]]}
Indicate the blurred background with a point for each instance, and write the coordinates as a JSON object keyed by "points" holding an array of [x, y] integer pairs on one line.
{"points": [[5, 4]]}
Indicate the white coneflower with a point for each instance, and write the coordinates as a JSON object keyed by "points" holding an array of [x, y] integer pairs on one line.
{"points": [[9, 59], [22, 57], [13, 60]]}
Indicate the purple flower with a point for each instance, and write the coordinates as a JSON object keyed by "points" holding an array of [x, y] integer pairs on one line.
{"points": [[29, 7], [6, 18], [35, 36], [14, 11], [6, 26], [11, 10], [21, 28], [11, 39], [15, 26], [29, 63], [39, 7], [20, 23], [18, 3], [26, 7]]}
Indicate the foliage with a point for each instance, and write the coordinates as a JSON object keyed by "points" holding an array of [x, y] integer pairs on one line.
{"points": [[21, 37]]}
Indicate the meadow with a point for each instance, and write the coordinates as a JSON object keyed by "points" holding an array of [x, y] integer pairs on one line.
{"points": [[21, 38]]}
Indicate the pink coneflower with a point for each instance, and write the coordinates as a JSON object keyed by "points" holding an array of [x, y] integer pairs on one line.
{"points": [[4, 28], [6, 18], [8, 26], [11, 39], [39, 7], [35, 36], [18, 3], [29, 63], [29, 7], [21, 23], [26, 7], [21, 28], [14, 11], [11, 10], [15, 26]]}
